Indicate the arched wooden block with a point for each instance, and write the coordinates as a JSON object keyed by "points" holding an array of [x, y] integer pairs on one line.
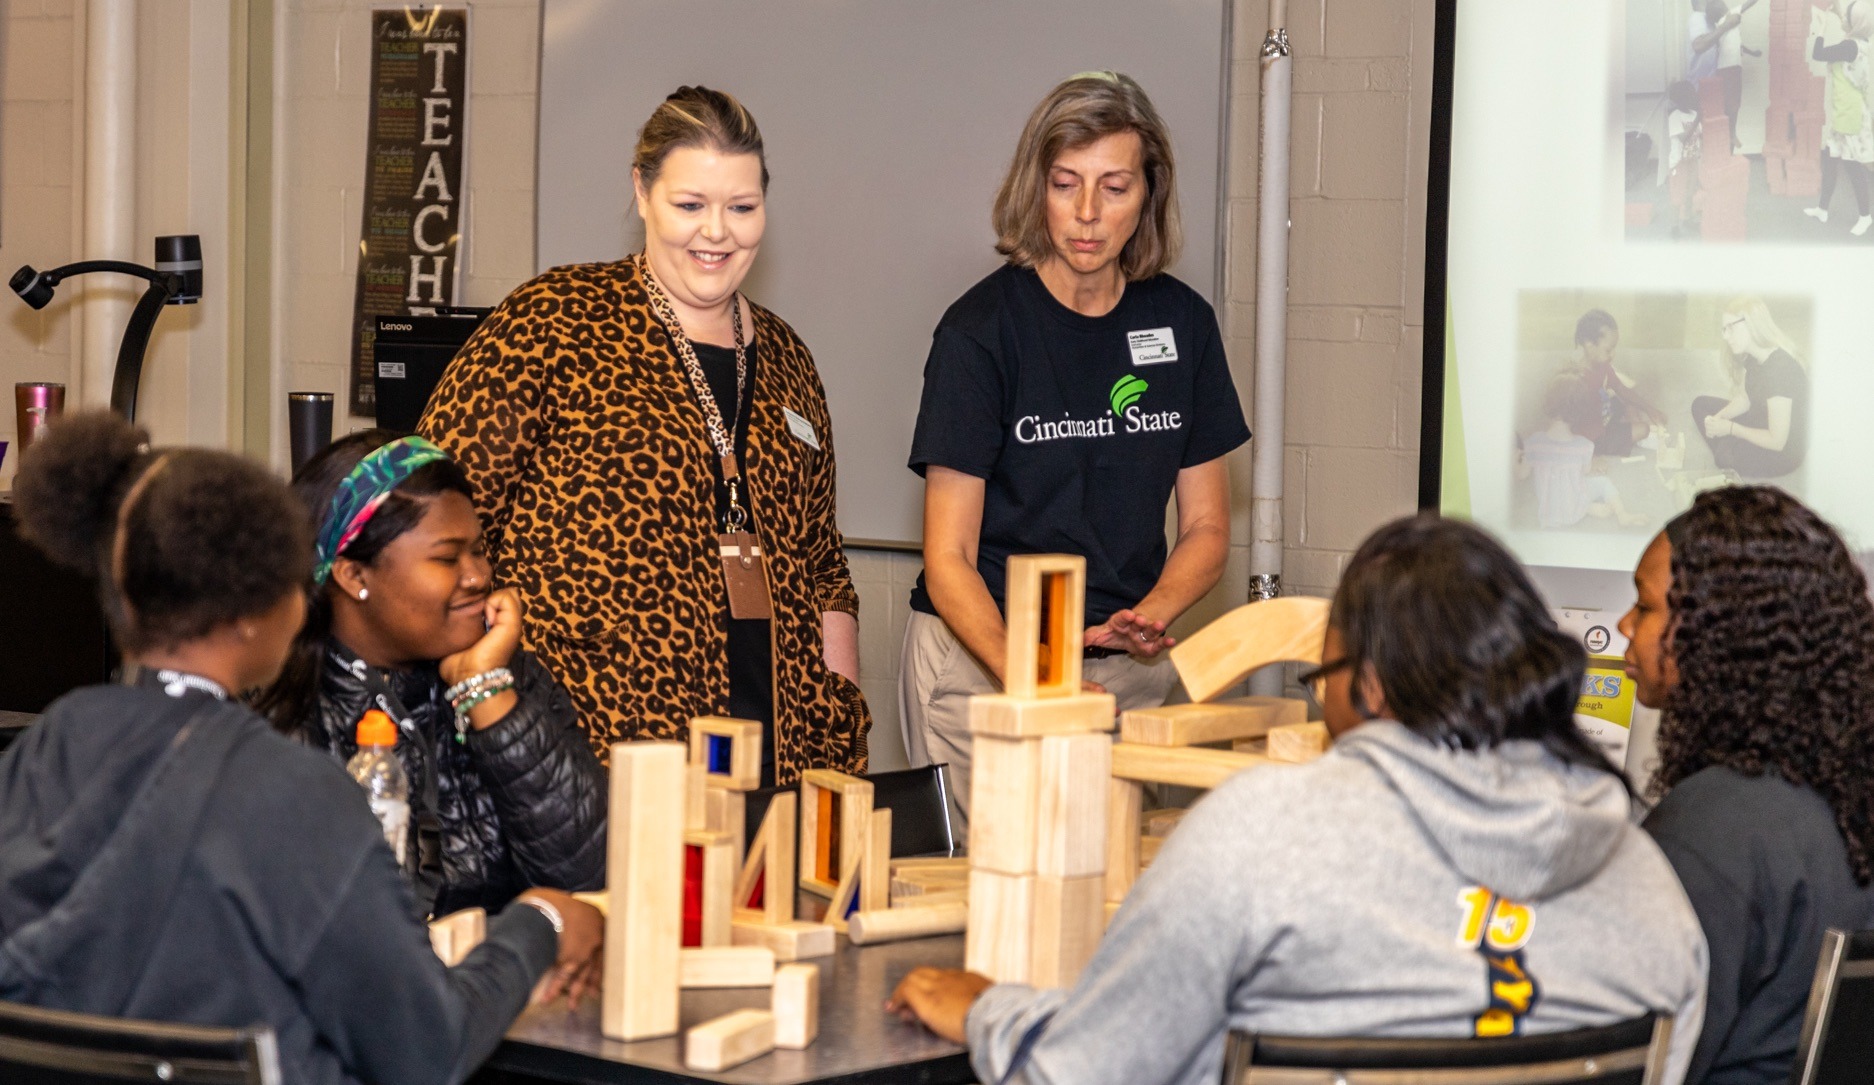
{"points": [[1223, 653]]}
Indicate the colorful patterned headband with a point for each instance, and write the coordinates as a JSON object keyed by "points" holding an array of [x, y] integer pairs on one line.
{"points": [[362, 493]]}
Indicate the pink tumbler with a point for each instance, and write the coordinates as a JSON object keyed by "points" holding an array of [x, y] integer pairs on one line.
{"points": [[38, 405]]}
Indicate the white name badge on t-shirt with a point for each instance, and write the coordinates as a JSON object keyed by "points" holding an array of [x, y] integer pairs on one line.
{"points": [[801, 428], [1152, 346]]}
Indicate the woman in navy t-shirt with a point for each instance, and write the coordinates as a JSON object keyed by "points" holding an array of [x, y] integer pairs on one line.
{"points": [[1066, 398]]}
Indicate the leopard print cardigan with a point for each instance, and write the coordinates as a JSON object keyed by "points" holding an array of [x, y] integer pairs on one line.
{"points": [[595, 481]]}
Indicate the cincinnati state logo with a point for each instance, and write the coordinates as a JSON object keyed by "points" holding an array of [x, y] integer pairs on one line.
{"points": [[1125, 392], [1125, 416]]}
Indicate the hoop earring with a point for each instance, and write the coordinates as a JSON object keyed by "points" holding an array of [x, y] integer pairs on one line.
{"points": [[363, 594]]}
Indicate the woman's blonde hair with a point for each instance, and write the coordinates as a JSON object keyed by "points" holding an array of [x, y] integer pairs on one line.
{"points": [[1764, 333], [1081, 110], [697, 117]]}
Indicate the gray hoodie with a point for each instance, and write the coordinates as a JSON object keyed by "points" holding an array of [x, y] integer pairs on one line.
{"points": [[1359, 896]]}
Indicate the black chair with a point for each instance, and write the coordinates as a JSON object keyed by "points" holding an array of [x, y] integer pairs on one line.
{"points": [[53, 1047], [919, 801], [1629, 1053], [1837, 1043]]}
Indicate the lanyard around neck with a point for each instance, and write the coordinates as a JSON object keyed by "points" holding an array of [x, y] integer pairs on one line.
{"points": [[721, 435]]}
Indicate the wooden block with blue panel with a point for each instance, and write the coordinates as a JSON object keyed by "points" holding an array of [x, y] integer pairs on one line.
{"points": [[729, 751]]}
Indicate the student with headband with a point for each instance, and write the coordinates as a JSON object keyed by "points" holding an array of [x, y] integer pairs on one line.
{"points": [[504, 790], [165, 855]]}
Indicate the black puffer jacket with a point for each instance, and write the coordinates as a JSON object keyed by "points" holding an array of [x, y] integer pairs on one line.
{"points": [[519, 804]]}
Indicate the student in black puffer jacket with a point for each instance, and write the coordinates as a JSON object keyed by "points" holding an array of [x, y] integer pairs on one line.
{"points": [[506, 792]]}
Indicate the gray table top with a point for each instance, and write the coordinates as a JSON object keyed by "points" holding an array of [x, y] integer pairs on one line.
{"points": [[858, 1041]]}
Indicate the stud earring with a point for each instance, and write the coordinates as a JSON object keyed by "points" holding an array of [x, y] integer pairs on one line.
{"points": [[363, 594]]}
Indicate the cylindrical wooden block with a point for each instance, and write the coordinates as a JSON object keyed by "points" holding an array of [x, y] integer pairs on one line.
{"points": [[915, 921]]}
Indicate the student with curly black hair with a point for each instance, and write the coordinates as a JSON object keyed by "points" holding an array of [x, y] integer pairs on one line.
{"points": [[1461, 863], [1753, 633], [165, 855], [504, 789]]}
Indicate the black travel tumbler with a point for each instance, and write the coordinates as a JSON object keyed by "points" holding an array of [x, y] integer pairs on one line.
{"points": [[309, 414]]}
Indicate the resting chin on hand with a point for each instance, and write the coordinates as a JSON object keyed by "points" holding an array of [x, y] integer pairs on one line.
{"points": [[939, 999]]}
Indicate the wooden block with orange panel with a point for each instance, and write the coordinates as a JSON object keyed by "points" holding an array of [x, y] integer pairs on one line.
{"points": [[834, 813]]}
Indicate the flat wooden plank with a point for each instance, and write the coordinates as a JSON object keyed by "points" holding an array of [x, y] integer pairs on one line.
{"points": [[1223, 653], [725, 966], [1004, 716], [741, 770], [790, 941], [1123, 801], [875, 864], [1070, 802], [931, 862], [796, 1005], [867, 928], [1002, 910], [644, 873], [729, 1040], [726, 811], [1046, 598], [695, 798], [1217, 721], [1298, 743], [1005, 780], [1180, 766], [1069, 920]]}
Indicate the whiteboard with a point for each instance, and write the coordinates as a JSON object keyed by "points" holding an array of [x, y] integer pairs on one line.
{"points": [[888, 127]]}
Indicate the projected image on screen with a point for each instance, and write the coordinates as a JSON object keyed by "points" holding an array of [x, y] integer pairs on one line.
{"points": [[1749, 120], [1628, 404]]}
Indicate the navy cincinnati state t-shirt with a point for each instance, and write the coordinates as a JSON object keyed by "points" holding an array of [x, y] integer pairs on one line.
{"points": [[1078, 424]]}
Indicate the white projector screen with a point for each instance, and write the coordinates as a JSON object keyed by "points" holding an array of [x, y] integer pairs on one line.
{"points": [[888, 127], [1593, 175]]}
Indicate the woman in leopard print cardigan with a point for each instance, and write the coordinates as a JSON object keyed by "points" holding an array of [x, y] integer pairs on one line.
{"points": [[575, 418]]}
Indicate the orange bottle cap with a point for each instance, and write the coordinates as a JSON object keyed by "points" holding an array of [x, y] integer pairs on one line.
{"points": [[376, 729]]}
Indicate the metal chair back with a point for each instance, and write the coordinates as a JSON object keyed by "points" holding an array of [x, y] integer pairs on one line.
{"points": [[56, 1047], [1837, 1042], [1628, 1053]]}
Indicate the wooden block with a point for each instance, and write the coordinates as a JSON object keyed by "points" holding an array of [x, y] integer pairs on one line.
{"points": [[455, 934], [1218, 721], [729, 1040], [729, 751], [726, 811], [1046, 606], [718, 884], [725, 966], [796, 1005], [695, 798], [1005, 778], [930, 896], [834, 811], [1159, 823], [1298, 743], [1123, 800], [790, 941], [1069, 920], [1148, 849], [1004, 716], [1070, 830], [601, 899], [770, 862], [912, 921], [1180, 766], [644, 870], [1223, 653], [875, 866], [931, 862], [845, 898], [1112, 909], [998, 943]]}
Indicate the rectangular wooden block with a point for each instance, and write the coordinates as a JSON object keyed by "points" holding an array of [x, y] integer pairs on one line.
{"points": [[1070, 831], [1298, 743], [1223, 653], [998, 943], [729, 751], [796, 1005], [875, 866], [1045, 613], [834, 810], [1148, 849], [790, 941], [455, 934], [1217, 721], [719, 871], [1180, 766], [1070, 917], [1005, 781], [726, 811], [729, 1040], [644, 870], [1004, 716], [1160, 822], [695, 798], [1123, 801], [725, 966]]}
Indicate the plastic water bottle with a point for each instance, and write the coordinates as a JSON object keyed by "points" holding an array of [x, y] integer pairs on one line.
{"points": [[377, 770]]}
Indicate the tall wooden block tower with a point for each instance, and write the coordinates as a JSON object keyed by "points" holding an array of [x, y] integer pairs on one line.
{"points": [[1041, 766]]}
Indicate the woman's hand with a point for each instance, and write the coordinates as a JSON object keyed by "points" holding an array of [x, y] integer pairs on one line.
{"points": [[502, 613], [581, 962], [1132, 632], [940, 998], [1719, 427]]}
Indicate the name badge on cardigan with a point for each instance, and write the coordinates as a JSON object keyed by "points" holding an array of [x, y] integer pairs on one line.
{"points": [[745, 574]]}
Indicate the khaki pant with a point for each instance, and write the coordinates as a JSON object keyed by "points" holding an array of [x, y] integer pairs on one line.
{"points": [[937, 676]]}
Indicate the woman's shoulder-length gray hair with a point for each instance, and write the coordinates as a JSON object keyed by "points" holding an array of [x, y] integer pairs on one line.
{"points": [[1081, 110]]}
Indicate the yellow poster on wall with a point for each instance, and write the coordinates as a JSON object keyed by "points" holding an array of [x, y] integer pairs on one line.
{"points": [[1604, 711]]}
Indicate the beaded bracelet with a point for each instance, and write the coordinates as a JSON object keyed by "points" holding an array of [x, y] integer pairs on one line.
{"points": [[476, 681], [480, 688]]}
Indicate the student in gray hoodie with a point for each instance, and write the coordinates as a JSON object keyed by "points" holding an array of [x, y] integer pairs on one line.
{"points": [[1461, 863]]}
